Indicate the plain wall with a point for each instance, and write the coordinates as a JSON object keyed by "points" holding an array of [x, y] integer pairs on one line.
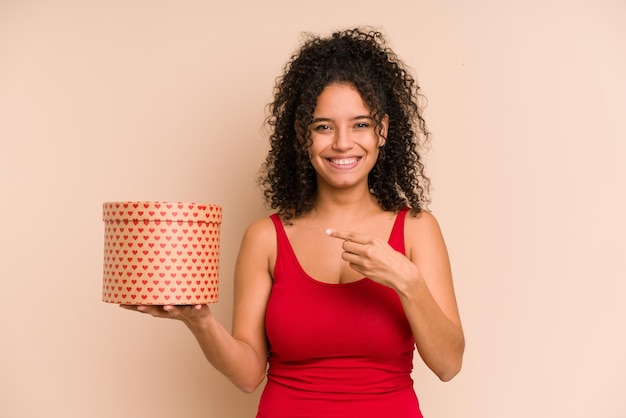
{"points": [[165, 100]]}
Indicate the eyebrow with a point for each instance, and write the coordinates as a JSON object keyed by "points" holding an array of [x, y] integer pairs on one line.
{"points": [[330, 120]]}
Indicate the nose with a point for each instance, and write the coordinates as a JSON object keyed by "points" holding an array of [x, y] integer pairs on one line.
{"points": [[342, 140]]}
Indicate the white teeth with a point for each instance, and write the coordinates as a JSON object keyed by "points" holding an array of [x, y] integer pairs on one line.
{"points": [[344, 161]]}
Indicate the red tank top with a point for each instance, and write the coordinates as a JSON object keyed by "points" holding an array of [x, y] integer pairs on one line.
{"points": [[336, 350]]}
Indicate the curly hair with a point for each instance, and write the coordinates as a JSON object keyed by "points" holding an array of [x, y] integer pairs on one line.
{"points": [[361, 58]]}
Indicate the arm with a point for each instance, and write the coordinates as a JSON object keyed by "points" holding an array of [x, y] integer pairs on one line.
{"points": [[241, 355], [429, 300], [423, 281]]}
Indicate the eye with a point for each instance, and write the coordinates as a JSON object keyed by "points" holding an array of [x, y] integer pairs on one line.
{"points": [[321, 127], [362, 125]]}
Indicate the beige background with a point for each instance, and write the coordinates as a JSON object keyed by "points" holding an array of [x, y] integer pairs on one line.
{"points": [[164, 100]]}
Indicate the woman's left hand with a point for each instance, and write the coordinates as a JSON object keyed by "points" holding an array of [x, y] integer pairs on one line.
{"points": [[375, 259]]}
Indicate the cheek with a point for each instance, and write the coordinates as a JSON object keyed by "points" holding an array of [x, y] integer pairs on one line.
{"points": [[317, 145]]}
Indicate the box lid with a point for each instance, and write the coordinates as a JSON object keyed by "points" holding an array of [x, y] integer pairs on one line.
{"points": [[161, 212]]}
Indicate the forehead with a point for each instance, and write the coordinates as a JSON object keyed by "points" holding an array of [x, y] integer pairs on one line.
{"points": [[340, 99]]}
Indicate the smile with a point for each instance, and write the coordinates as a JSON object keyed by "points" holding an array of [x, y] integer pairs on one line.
{"points": [[344, 161]]}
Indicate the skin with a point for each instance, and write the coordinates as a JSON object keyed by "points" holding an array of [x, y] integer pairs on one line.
{"points": [[349, 230]]}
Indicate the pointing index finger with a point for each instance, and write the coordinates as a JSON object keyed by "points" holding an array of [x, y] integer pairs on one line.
{"points": [[344, 235]]}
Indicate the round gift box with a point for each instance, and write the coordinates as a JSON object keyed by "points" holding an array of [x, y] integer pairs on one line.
{"points": [[161, 253]]}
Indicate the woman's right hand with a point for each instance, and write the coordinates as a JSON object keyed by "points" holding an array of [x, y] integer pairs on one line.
{"points": [[189, 314]]}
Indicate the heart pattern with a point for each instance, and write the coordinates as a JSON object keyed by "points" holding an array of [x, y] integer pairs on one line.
{"points": [[161, 253]]}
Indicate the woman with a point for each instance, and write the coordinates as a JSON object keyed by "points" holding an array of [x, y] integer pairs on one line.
{"points": [[336, 289]]}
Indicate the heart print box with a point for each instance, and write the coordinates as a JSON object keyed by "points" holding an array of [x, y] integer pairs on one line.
{"points": [[161, 253]]}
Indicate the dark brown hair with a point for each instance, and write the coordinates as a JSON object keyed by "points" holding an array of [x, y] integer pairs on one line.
{"points": [[359, 57]]}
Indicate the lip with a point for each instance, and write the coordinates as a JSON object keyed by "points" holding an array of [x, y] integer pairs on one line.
{"points": [[344, 163]]}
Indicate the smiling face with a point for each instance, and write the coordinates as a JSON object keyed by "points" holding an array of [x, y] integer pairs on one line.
{"points": [[345, 138]]}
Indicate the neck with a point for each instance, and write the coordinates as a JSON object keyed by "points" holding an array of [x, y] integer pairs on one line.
{"points": [[345, 203]]}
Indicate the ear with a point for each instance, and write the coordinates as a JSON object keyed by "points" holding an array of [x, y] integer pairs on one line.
{"points": [[384, 126]]}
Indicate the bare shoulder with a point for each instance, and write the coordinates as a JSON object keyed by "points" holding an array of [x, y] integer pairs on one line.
{"points": [[423, 236], [422, 223], [254, 266], [259, 242], [261, 231]]}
